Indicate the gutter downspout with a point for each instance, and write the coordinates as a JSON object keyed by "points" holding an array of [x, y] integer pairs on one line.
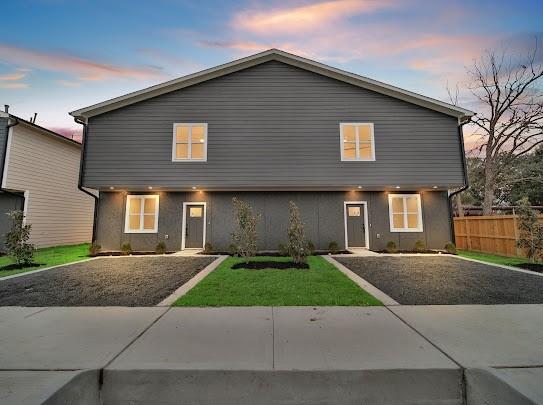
{"points": [[466, 180], [80, 181], [2, 189]]}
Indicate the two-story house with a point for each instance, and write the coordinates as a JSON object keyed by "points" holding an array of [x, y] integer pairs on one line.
{"points": [[366, 162]]}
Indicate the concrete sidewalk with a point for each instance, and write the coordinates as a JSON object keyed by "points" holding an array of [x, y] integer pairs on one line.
{"points": [[340, 355]]}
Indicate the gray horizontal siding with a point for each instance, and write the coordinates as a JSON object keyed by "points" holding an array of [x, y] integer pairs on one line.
{"points": [[273, 125], [3, 136]]}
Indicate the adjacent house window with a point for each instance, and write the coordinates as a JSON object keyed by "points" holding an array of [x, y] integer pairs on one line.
{"points": [[357, 143], [405, 212], [141, 214], [189, 142]]}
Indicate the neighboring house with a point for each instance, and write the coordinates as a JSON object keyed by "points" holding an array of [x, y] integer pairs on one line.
{"points": [[40, 176], [366, 162]]}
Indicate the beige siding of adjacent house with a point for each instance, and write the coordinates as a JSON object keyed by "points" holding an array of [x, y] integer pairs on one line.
{"points": [[46, 168]]}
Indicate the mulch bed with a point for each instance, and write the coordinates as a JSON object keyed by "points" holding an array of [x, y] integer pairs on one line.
{"points": [[126, 281], [269, 265], [422, 252], [531, 266], [133, 253], [275, 253], [446, 280], [16, 266]]}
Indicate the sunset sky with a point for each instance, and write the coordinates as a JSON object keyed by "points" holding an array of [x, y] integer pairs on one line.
{"points": [[57, 56]]}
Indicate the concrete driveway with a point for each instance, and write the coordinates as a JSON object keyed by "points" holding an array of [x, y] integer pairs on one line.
{"points": [[445, 280], [113, 281]]}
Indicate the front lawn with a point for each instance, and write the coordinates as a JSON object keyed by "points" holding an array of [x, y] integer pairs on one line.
{"points": [[47, 257], [322, 284], [489, 258]]}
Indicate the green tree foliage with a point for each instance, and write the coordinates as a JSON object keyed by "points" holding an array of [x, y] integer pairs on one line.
{"points": [[530, 230], [17, 245], [245, 237], [297, 245]]}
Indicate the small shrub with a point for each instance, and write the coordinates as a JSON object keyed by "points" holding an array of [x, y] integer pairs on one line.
{"points": [[233, 249], [333, 247], [160, 248], [450, 248], [297, 245], [94, 249], [419, 246], [245, 237], [208, 248], [126, 248], [310, 248], [391, 247], [283, 251], [530, 230], [17, 246]]}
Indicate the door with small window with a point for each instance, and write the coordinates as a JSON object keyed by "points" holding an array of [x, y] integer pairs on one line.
{"points": [[356, 228], [194, 226]]}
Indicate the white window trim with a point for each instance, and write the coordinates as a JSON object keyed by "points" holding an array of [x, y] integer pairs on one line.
{"points": [[184, 222], [419, 207], [357, 159], [189, 124], [127, 213], [366, 223]]}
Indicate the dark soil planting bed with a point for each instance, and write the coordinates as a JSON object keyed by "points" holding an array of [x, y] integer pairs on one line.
{"points": [[16, 266], [537, 267], [261, 265]]}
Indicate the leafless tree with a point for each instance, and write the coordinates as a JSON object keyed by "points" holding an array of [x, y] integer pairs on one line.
{"points": [[509, 122]]}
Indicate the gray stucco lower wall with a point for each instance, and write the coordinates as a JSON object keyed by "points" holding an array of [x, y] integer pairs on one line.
{"points": [[321, 211], [7, 203]]}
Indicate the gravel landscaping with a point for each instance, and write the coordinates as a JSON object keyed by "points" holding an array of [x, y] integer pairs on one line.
{"points": [[442, 280], [127, 281]]}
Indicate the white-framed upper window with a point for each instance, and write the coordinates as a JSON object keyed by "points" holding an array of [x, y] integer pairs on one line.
{"points": [[141, 214], [405, 212], [189, 142], [357, 141]]}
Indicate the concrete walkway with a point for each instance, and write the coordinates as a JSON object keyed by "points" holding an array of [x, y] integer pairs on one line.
{"points": [[280, 355]]}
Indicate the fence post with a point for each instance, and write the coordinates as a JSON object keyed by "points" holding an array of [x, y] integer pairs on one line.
{"points": [[515, 225]]}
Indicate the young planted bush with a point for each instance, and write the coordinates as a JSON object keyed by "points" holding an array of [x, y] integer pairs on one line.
{"points": [[17, 246], [419, 246], [94, 249], [333, 247], [530, 230], [245, 237], [126, 248], [297, 244], [208, 248], [450, 248], [391, 247], [160, 248]]}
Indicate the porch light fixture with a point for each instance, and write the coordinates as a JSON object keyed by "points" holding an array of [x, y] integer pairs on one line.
{"points": [[434, 187], [194, 187], [397, 187], [111, 188], [150, 188], [359, 187]]}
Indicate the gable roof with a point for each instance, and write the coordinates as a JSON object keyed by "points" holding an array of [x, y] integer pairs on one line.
{"points": [[40, 129], [266, 56]]}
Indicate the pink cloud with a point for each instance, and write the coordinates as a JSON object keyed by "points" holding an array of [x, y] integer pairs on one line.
{"points": [[13, 76], [83, 69], [70, 133], [303, 18], [13, 85]]}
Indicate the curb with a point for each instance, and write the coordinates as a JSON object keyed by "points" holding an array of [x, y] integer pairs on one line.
{"points": [[189, 285], [365, 285]]}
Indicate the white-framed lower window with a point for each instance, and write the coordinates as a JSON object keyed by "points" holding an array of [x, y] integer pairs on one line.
{"points": [[357, 141], [141, 214], [405, 212], [189, 142]]}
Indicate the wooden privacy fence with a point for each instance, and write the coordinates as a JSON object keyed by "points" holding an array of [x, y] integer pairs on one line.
{"points": [[488, 234]]}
